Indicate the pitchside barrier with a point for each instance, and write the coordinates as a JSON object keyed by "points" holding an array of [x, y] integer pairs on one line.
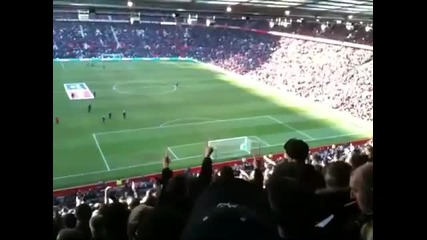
{"points": [[122, 59], [119, 183]]}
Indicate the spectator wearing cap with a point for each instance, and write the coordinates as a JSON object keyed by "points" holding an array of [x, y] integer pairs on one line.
{"points": [[297, 152]]}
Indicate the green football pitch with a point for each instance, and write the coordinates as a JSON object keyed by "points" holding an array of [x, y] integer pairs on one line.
{"points": [[206, 105]]}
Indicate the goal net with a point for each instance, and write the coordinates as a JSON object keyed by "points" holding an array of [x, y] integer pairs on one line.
{"points": [[111, 55], [235, 147]]}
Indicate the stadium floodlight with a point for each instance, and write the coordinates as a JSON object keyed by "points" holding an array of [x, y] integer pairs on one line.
{"points": [[130, 4], [323, 27], [349, 26], [228, 9]]}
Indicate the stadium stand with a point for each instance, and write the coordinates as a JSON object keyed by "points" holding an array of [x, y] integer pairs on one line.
{"points": [[340, 77], [229, 200]]}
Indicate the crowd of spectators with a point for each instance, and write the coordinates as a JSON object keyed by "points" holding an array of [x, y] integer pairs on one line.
{"points": [[341, 77], [322, 195], [355, 32], [337, 76]]}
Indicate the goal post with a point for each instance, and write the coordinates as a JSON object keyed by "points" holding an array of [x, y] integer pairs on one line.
{"points": [[235, 147]]}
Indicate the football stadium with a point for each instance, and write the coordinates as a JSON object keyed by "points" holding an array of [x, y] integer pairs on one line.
{"points": [[152, 98], [163, 118]]}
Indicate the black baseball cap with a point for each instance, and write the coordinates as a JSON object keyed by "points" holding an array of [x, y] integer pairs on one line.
{"points": [[297, 149], [230, 210]]}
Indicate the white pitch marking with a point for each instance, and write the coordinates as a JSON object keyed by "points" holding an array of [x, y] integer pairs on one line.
{"points": [[100, 151], [151, 94], [262, 141], [290, 127], [181, 119], [180, 125], [175, 156], [185, 158]]}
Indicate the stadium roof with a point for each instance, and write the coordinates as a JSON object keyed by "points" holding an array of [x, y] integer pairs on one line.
{"points": [[338, 9]]}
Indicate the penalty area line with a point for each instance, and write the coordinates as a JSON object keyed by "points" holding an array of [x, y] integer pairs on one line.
{"points": [[174, 155], [101, 152], [123, 168], [190, 157]]}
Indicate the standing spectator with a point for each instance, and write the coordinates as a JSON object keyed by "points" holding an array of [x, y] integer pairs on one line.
{"points": [[362, 189]]}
